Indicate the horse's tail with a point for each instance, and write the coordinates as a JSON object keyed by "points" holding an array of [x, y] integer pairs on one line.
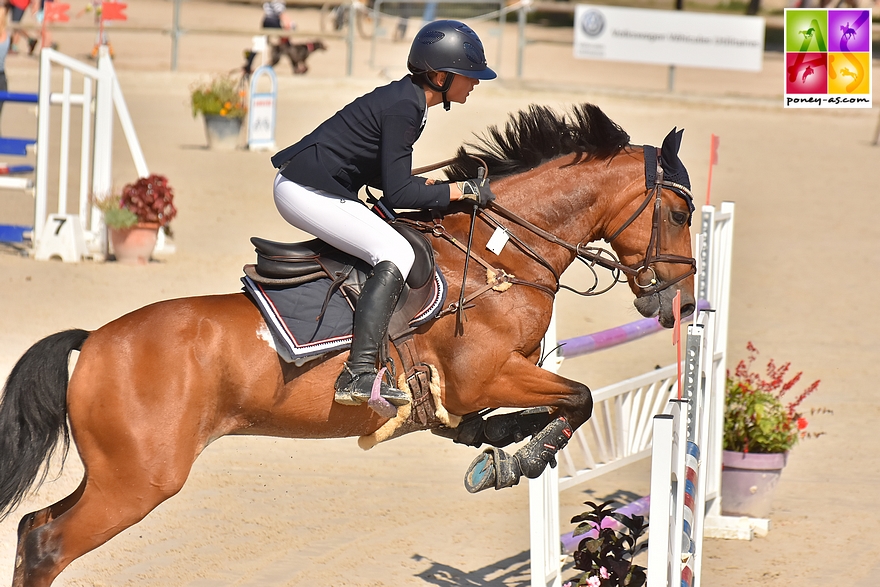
{"points": [[33, 415]]}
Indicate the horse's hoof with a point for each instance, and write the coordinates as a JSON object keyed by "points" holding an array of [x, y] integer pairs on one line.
{"points": [[481, 474]]}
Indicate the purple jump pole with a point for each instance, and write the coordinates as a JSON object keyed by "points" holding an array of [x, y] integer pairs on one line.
{"points": [[590, 343], [639, 507]]}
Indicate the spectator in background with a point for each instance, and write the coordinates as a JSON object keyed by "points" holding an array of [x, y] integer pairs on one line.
{"points": [[17, 8], [275, 16]]}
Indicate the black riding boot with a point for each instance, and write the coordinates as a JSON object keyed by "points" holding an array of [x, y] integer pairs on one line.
{"points": [[371, 317]]}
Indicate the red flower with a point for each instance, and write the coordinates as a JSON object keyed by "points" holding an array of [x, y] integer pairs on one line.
{"points": [[802, 423]]}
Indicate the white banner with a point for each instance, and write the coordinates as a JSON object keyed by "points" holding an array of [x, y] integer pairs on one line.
{"points": [[669, 37]]}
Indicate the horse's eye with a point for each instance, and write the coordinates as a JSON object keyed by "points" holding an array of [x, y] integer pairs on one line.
{"points": [[679, 218]]}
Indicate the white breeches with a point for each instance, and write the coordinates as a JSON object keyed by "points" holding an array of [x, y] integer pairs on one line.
{"points": [[345, 224]]}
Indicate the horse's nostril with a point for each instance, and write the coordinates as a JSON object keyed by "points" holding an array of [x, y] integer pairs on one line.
{"points": [[687, 309]]}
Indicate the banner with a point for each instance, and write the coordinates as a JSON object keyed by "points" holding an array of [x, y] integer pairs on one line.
{"points": [[669, 37]]}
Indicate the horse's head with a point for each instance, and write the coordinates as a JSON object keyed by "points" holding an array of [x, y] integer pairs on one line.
{"points": [[651, 234], [590, 191]]}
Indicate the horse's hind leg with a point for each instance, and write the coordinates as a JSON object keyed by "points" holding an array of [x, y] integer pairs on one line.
{"points": [[50, 539]]}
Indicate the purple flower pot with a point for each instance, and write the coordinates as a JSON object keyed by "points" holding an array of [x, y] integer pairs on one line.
{"points": [[748, 481]]}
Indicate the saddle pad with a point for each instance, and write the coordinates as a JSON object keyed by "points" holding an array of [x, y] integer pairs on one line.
{"points": [[292, 315]]}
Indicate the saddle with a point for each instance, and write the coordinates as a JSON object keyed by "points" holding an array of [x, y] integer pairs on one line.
{"points": [[307, 292]]}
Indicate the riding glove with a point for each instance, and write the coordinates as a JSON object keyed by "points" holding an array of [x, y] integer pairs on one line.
{"points": [[477, 190]]}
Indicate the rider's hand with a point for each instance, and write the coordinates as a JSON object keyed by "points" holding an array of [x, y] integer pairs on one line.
{"points": [[477, 190]]}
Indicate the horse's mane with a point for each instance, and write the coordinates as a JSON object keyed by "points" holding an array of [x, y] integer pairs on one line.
{"points": [[536, 135]]}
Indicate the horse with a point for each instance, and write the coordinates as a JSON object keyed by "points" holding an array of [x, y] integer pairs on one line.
{"points": [[153, 388], [848, 33]]}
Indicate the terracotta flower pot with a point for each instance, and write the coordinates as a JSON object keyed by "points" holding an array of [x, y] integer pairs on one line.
{"points": [[134, 246], [748, 481], [222, 132]]}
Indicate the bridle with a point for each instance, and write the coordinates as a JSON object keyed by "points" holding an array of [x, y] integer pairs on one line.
{"points": [[592, 256]]}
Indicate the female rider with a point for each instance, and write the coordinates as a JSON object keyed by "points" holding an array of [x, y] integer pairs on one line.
{"points": [[370, 141]]}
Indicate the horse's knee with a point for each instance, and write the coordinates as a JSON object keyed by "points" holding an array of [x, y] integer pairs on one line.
{"points": [[579, 408]]}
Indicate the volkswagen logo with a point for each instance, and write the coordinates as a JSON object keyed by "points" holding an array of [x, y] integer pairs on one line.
{"points": [[592, 23]]}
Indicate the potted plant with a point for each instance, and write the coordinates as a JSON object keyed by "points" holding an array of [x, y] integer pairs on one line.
{"points": [[133, 218], [606, 553], [760, 428], [221, 101]]}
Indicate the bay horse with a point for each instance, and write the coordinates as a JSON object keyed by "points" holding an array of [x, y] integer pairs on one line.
{"points": [[153, 388]]}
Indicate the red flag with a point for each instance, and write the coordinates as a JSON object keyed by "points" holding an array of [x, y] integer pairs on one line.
{"points": [[56, 12], [113, 11], [676, 334], [713, 159]]}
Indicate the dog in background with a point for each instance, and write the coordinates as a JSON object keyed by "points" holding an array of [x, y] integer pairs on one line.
{"points": [[297, 53]]}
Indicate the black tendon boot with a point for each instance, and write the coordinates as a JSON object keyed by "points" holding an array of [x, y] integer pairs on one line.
{"points": [[371, 317]]}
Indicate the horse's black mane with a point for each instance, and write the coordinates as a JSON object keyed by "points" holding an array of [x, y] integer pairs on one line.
{"points": [[536, 135]]}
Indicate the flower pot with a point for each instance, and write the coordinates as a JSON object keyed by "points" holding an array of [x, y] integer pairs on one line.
{"points": [[748, 481], [134, 246], [222, 132]]}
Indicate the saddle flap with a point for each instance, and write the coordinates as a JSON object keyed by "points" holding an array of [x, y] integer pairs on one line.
{"points": [[423, 268]]}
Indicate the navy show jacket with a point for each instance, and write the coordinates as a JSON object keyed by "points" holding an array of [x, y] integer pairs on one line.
{"points": [[368, 142]]}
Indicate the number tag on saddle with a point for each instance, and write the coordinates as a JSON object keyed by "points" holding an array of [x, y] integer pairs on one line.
{"points": [[498, 240]]}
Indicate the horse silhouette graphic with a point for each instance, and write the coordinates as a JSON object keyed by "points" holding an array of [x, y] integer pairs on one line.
{"points": [[808, 34], [848, 33], [848, 72], [807, 72]]}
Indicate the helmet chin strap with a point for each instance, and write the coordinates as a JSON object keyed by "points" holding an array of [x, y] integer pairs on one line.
{"points": [[447, 83]]}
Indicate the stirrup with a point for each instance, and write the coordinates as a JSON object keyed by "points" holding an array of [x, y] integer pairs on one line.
{"points": [[354, 389]]}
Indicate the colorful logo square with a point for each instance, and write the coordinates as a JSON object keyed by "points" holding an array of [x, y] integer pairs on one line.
{"points": [[807, 73], [848, 73], [849, 30], [806, 30]]}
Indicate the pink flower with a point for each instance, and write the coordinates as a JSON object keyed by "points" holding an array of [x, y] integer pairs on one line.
{"points": [[603, 572], [594, 582]]}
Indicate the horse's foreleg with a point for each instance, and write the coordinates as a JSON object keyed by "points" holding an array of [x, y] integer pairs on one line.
{"points": [[499, 430], [524, 383]]}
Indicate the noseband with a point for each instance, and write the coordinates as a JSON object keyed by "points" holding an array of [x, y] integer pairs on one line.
{"points": [[590, 255]]}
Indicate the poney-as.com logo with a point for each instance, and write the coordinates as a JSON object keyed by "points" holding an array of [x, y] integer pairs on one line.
{"points": [[827, 58]]}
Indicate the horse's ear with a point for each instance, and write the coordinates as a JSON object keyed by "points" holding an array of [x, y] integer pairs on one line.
{"points": [[673, 168], [669, 149]]}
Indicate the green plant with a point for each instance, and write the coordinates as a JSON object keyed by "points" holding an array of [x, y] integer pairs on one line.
{"points": [[115, 216], [147, 200], [606, 555], [756, 419], [222, 95]]}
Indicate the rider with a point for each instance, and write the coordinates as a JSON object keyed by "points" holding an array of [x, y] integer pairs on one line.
{"points": [[370, 141]]}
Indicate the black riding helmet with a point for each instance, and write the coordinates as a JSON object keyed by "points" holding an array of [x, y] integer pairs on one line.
{"points": [[450, 46]]}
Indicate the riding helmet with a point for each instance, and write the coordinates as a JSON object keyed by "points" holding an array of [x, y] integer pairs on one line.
{"points": [[451, 46]]}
